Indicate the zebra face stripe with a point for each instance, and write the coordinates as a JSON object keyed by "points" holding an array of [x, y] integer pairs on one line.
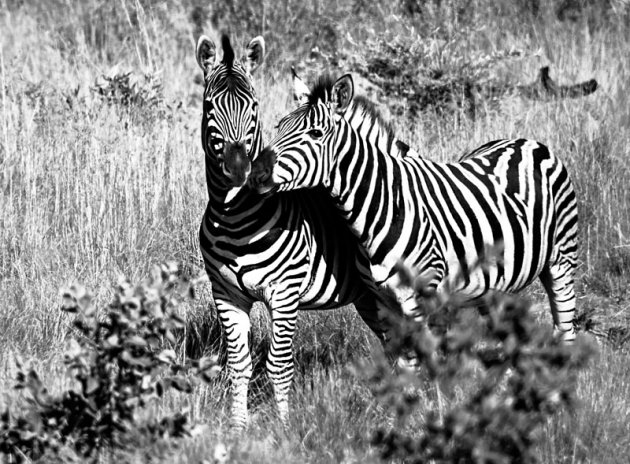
{"points": [[304, 148], [300, 151], [231, 131]]}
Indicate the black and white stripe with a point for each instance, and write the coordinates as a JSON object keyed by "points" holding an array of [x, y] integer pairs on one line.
{"points": [[286, 250], [510, 204]]}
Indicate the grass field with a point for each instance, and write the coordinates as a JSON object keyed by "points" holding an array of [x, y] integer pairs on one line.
{"points": [[94, 187]]}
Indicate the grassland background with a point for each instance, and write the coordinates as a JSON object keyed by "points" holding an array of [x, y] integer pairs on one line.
{"points": [[90, 190]]}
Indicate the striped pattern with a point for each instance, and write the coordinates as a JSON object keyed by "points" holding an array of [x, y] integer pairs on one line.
{"points": [[509, 204], [278, 250]]}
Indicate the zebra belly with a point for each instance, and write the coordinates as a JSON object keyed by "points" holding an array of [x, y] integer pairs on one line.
{"points": [[328, 290], [503, 267]]}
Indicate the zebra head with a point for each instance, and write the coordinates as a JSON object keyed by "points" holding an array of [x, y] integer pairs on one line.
{"points": [[230, 131], [300, 155]]}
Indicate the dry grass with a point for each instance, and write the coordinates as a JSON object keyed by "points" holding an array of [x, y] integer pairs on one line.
{"points": [[90, 191]]}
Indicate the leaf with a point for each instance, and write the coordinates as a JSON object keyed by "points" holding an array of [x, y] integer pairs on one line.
{"points": [[72, 349], [181, 383], [146, 382], [69, 303], [136, 341], [84, 301], [152, 340], [83, 326], [89, 311], [112, 341], [92, 385], [178, 321], [130, 303], [167, 357], [198, 430], [207, 362], [33, 381], [170, 337], [211, 373], [132, 402], [126, 356], [140, 361]]}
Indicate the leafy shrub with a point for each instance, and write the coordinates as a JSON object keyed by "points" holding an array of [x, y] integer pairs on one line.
{"points": [[130, 89], [513, 376], [121, 359]]}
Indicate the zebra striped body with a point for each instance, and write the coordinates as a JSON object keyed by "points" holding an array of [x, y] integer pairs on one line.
{"points": [[277, 249], [509, 205]]}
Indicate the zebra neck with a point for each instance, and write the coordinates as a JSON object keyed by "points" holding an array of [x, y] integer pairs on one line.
{"points": [[371, 188], [367, 184]]}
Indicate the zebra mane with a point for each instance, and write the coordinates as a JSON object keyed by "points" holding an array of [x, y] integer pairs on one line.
{"points": [[322, 89], [234, 76], [372, 113], [228, 51]]}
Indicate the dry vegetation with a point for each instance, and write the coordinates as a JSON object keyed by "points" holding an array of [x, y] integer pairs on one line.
{"points": [[101, 175]]}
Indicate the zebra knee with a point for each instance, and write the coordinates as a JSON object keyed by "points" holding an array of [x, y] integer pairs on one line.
{"points": [[567, 335]]}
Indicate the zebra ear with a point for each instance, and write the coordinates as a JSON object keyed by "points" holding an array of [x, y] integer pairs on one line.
{"points": [[206, 54], [255, 54], [342, 93], [301, 91]]}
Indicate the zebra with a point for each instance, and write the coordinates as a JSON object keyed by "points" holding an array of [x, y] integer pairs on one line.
{"points": [[509, 204], [287, 251]]}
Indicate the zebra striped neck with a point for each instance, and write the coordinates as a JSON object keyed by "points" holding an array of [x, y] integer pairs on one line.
{"points": [[379, 133], [378, 187]]}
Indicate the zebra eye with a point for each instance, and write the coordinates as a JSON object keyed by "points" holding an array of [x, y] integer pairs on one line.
{"points": [[315, 133], [215, 142]]}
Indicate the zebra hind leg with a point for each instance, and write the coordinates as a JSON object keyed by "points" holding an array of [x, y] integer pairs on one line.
{"points": [[557, 279]]}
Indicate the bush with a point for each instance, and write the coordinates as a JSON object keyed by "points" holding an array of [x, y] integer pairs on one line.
{"points": [[512, 375], [121, 359], [129, 89]]}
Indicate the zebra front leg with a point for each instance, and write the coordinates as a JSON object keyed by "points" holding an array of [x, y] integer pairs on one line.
{"points": [[280, 366], [237, 326], [558, 282]]}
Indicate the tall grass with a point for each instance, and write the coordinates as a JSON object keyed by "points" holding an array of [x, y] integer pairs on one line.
{"points": [[90, 190]]}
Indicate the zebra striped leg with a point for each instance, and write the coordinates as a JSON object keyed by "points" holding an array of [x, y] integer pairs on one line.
{"points": [[558, 282], [237, 325], [280, 366]]}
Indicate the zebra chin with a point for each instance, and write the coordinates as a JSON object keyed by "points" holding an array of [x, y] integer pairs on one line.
{"points": [[236, 179]]}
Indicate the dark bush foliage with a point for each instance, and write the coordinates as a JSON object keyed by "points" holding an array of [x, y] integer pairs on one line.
{"points": [[121, 359], [515, 375]]}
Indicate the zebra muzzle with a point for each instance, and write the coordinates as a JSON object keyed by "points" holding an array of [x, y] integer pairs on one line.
{"points": [[236, 164], [261, 177]]}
